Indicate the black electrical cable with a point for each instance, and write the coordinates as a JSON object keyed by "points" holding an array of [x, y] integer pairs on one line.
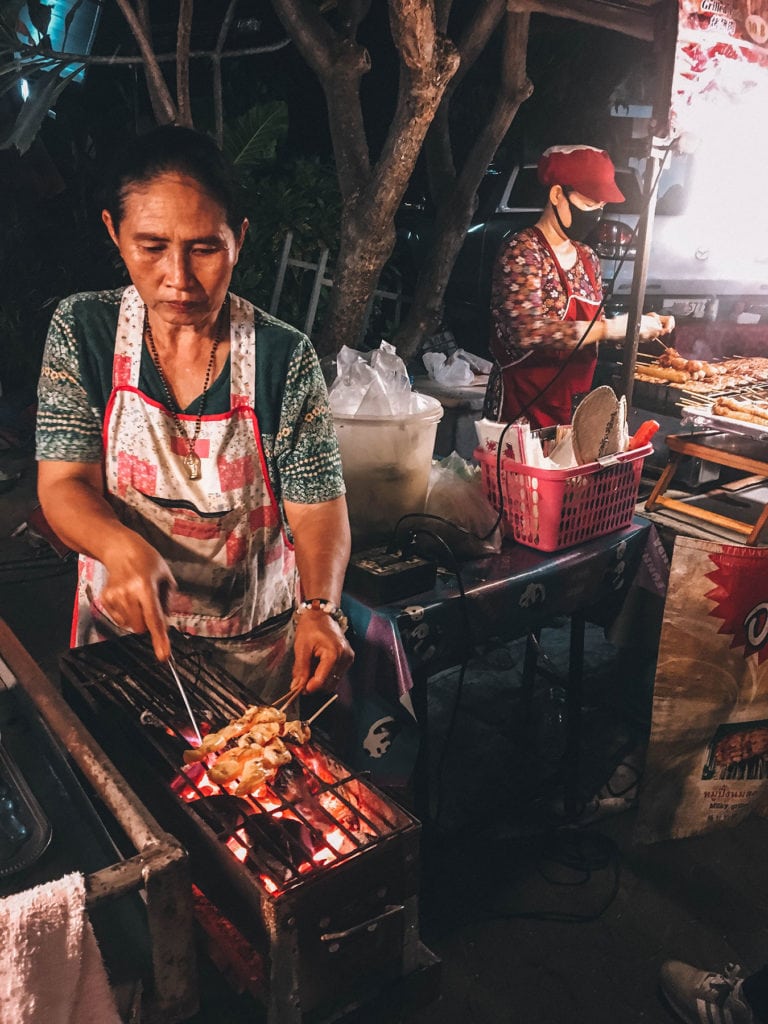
{"points": [[414, 531], [579, 851], [568, 842], [608, 292], [394, 544]]}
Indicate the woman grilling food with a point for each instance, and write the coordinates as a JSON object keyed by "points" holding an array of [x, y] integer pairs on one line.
{"points": [[185, 444]]}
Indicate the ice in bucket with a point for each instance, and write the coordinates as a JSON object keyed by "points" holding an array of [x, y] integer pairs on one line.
{"points": [[386, 435]]}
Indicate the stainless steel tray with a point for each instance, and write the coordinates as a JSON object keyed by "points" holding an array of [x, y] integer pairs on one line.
{"points": [[702, 416]]}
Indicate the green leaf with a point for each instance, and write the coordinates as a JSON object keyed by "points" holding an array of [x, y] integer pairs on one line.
{"points": [[252, 138], [47, 87]]}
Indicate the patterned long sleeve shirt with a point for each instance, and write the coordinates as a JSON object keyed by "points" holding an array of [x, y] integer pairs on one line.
{"points": [[528, 298]]}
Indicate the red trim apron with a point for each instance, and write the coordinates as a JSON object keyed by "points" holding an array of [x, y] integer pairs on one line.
{"points": [[222, 535], [523, 382]]}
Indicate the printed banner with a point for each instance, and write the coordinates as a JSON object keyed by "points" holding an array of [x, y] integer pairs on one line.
{"points": [[721, 56], [707, 761]]}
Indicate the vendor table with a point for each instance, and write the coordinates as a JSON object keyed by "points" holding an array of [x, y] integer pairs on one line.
{"points": [[506, 596], [724, 449]]}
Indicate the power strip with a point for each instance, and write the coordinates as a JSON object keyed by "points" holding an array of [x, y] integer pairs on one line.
{"points": [[379, 575]]}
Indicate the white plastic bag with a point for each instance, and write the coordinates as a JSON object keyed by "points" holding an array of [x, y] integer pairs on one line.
{"points": [[456, 494], [371, 384], [448, 369]]}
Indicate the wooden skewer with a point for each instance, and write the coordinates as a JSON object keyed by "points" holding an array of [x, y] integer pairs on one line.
{"points": [[319, 712], [282, 702]]}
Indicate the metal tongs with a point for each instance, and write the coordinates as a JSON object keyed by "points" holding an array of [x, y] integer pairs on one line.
{"points": [[174, 672]]}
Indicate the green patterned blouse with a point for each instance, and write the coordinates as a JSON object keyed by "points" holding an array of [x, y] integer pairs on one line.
{"points": [[292, 408]]}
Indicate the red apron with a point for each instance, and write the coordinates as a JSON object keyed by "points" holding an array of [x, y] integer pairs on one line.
{"points": [[564, 374]]}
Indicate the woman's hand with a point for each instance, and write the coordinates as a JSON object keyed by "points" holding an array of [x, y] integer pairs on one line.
{"points": [[321, 652], [73, 500], [136, 592], [322, 544], [652, 325]]}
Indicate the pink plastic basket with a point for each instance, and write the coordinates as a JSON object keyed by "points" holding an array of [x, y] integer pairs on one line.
{"points": [[552, 509]]}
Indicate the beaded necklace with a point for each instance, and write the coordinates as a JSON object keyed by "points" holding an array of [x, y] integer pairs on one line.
{"points": [[191, 460]]}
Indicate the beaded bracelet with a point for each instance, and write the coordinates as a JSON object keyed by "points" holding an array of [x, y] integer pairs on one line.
{"points": [[322, 604]]}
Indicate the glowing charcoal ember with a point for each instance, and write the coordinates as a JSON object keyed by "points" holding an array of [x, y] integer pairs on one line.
{"points": [[237, 843], [193, 782]]}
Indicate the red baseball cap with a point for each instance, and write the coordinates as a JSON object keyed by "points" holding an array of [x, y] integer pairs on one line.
{"points": [[585, 169]]}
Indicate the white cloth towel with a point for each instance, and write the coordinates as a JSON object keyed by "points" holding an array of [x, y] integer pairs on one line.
{"points": [[51, 971]]}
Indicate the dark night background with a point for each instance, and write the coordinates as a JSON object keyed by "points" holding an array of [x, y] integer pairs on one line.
{"points": [[51, 239]]}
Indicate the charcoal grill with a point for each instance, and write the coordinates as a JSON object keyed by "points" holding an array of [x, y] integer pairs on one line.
{"points": [[673, 399], [318, 871]]}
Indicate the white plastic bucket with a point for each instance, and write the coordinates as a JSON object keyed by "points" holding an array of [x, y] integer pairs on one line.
{"points": [[386, 462]]}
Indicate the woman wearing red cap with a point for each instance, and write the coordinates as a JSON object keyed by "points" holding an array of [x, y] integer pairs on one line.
{"points": [[546, 290]]}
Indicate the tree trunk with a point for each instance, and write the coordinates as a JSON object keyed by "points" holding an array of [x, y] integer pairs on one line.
{"points": [[456, 204], [427, 63], [362, 254], [371, 194]]}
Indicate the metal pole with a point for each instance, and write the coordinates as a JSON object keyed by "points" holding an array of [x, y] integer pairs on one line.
{"points": [[314, 298], [281, 267], [644, 233]]}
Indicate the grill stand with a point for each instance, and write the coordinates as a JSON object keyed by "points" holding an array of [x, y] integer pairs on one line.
{"points": [[745, 454], [160, 866], [334, 939]]}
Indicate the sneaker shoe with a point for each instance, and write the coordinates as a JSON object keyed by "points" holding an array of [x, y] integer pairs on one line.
{"points": [[706, 997]]}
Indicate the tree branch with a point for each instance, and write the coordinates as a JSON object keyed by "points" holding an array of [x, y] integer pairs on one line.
{"points": [[515, 89], [143, 15], [428, 63], [313, 36], [455, 211], [183, 35], [438, 152], [162, 102], [63, 57], [352, 14], [218, 99], [340, 64], [443, 10], [476, 35]]}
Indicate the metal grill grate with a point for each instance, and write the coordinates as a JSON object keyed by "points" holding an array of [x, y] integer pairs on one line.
{"points": [[316, 813]]}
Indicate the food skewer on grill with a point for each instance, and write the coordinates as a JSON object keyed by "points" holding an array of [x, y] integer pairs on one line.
{"points": [[251, 748], [746, 411]]}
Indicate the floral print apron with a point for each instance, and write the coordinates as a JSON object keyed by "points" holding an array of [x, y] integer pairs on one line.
{"points": [[221, 535]]}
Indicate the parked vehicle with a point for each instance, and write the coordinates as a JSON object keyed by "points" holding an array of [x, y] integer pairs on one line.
{"points": [[694, 270]]}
